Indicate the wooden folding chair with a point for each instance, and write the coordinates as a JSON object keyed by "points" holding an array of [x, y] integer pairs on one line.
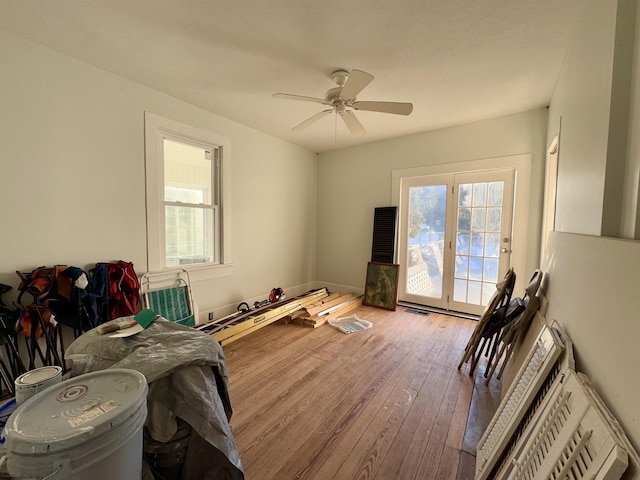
{"points": [[168, 294], [494, 312], [511, 333]]}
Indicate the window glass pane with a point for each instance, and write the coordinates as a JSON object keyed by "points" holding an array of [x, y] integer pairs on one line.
{"points": [[188, 235], [478, 216], [490, 273], [495, 194], [459, 290], [488, 289], [464, 219], [477, 244], [462, 246], [492, 245], [185, 195], [188, 173], [464, 195], [475, 268], [474, 293], [479, 194], [462, 266], [494, 216]]}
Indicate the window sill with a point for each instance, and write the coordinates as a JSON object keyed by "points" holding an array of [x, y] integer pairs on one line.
{"points": [[199, 273]]}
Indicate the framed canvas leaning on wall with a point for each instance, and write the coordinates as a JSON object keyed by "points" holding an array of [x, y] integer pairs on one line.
{"points": [[381, 287]]}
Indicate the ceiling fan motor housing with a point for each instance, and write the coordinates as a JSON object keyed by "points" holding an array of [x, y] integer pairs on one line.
{"points": [[333, 95], [340, 77]]}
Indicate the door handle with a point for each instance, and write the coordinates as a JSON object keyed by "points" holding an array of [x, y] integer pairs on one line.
{"points": [[505, 250]]}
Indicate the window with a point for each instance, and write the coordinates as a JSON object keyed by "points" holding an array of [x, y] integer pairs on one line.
{"points": [[187, 196]]}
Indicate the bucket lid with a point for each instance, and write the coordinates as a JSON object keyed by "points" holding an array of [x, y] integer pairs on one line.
{"points": [[38, 375], [75, 411]]}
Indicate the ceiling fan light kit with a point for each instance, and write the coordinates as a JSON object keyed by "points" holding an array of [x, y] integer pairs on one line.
{"points": [[342, 100]]}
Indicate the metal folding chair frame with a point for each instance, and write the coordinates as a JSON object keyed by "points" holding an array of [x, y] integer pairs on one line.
{"points": [[168, 293]]}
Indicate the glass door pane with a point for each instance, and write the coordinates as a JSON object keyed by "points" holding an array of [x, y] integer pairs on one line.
{"points": [[477, 242], [423, 232], [427, 219], [482, 237]]}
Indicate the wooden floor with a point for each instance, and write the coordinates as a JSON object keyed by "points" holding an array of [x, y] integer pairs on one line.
{"points": [[385, 403]]}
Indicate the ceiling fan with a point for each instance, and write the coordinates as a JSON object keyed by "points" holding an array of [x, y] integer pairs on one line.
{"points": [[342, 100]]}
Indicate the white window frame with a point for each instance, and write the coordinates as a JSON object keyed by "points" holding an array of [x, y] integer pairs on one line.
{"points": [[213, 232], [158, 128]]}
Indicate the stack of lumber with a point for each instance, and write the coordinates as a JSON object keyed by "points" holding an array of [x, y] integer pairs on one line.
{"points": [[239, 324], [321, 310]]}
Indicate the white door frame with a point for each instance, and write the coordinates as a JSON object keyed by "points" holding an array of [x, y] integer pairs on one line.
{"points": [[521, 219], [550, 189]]}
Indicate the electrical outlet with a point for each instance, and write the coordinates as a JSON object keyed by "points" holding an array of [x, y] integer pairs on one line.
{"points": [[210, 315]]}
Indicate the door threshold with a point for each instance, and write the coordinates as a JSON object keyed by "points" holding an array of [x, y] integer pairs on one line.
{"points": [[417, 306]]}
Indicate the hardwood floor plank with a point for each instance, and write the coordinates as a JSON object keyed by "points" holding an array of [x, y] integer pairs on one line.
{"points": [[309, 409], [467, 467], [433, 464], [402, 462], [367, 454], [385, 403], [346, 407], [375, 442], [429, 465], [339, 442], [458, 425], [448, 464]]}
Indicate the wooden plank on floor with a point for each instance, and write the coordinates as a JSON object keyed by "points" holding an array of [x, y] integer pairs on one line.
{"points": [[263, 318], [328, 302]]}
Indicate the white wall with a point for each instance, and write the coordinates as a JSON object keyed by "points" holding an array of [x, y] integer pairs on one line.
{"points": [[352, 182], [593, 294], [631, 216], [591, 115], [72, 185], [592, 282]]}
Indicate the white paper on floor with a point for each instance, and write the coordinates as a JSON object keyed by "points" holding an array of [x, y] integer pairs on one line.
{"points": [[350, 324]]}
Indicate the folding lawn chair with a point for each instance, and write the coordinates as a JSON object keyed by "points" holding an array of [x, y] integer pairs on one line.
{"points": [[168, 294]]}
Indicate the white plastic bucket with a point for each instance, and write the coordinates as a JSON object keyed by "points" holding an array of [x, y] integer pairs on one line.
{"points": [[34, 381], [86, 428]]}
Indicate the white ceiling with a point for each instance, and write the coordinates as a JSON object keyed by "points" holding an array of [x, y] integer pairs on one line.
{"points": [[455, 60]]}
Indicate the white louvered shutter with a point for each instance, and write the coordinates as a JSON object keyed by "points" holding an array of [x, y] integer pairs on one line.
{"points": [[570, 439], [540, 361]]}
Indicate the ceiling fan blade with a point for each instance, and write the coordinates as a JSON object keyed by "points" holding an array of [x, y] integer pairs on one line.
{"points": [[309, 121], [352, 123], [355, 83], [398, 108], [288, 96]]}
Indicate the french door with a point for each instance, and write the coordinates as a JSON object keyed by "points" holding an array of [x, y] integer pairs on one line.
{"points": [[455, 238]]}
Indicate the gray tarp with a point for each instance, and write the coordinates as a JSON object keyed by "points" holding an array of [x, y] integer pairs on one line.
{"points": [[187, 377]]}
